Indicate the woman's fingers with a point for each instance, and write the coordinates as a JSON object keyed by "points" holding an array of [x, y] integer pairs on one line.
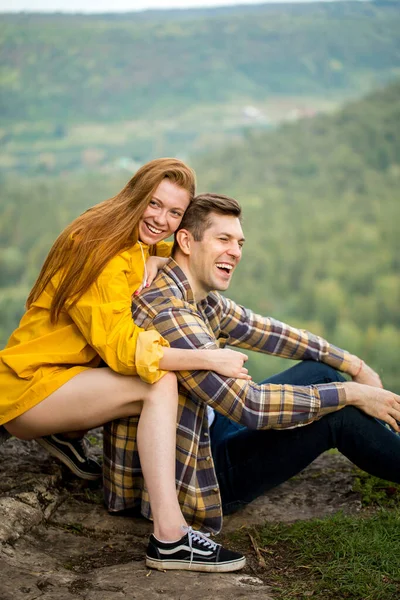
{"points": [[153, 265], [141, 286], [243, 373], [229, 363], [245, 376], [150, 278]]}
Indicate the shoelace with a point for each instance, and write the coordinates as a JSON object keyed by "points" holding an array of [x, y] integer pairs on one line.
{"points": [[201, 538]]}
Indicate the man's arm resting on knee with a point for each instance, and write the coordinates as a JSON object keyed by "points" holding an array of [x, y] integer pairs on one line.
{"points": [[250, 331], [256, 406], [376, 402]]}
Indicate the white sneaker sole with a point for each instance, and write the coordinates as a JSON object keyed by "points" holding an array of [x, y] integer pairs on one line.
{"points": [[184, 565], [66, 461]]}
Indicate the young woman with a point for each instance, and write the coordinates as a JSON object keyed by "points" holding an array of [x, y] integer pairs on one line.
{"points": [[79, 316]]}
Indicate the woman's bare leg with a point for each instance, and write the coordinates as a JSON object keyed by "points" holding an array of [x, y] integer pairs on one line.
{"points": [[86, 401], [97, 396], [157, 458]]}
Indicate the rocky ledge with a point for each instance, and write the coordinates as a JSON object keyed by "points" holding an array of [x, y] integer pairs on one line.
{"points": [[57, 541]]}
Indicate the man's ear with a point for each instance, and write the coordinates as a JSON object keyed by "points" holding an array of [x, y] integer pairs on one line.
{"points": [[185, 240]]}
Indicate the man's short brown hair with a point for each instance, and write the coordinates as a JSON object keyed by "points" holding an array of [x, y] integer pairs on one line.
{"points": [[197, 216]]}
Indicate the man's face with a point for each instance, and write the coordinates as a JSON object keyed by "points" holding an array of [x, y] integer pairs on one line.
{"points": [[213, 260], [164, 212]]}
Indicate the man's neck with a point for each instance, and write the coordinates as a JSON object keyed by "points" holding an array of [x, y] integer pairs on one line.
{"points": [[198, 292]]}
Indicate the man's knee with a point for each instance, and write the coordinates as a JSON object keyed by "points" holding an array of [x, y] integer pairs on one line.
{"points": [[328, 374], [347, 421]]}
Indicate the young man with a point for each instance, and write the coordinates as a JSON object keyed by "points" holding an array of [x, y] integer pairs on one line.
{"points": [[235, 438]]}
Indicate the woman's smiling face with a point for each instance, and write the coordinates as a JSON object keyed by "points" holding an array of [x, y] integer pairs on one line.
{"points": [[164, 213]]}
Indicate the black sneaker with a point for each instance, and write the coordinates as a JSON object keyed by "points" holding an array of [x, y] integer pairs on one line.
{"points": [[4, 435], [194, 551], [73, 453]]}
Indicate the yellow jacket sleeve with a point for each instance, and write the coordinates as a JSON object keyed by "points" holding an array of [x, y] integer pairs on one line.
{"points": [[103, 316]]}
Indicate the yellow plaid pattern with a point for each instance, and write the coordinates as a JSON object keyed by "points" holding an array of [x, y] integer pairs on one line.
{"points": [[169, 307]]}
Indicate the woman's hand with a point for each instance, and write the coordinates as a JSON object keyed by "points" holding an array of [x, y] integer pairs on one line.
{"points": [[229, 363], [225, 361], [379, 403], [153, 265]]}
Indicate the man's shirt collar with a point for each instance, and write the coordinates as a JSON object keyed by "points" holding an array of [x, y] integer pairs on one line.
{"points": [[174, 272]]}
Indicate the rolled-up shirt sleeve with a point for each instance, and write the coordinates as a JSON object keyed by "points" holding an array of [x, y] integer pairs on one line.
{"points": [[256, 406], [103, 316]]}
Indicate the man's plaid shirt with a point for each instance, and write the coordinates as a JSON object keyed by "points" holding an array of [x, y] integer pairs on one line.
{"points": [[169, 307]]}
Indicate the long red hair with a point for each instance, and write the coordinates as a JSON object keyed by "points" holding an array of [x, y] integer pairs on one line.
{"points": [[84, 248]]}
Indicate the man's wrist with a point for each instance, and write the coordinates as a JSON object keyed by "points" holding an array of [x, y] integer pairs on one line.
{"points": [[356, 366], [352, 393]]}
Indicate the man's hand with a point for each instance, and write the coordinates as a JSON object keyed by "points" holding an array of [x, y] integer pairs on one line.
{"points": [[362, 373], [374, 401]]}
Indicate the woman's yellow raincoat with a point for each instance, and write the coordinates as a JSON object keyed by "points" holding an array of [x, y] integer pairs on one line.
{"points": [[41, 356]]}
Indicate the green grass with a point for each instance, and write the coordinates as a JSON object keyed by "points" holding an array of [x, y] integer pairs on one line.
{"points": [[354, 558], [94, 496], [95, 441], [75, 528], [375, 491]]}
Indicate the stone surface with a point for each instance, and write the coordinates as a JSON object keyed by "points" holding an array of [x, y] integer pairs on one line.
{"points": [[57, 542], [16, 518]]}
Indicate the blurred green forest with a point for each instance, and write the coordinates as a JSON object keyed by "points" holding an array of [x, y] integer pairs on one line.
{"points": [[321, 215], [71, 68], [84, 91]]}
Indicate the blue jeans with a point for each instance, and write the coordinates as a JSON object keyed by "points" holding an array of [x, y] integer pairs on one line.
{"points": [[249, 462]]}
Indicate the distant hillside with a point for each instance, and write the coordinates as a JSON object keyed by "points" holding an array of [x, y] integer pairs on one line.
{"points": [[321, 202], [74, 68], [322, 212]]}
